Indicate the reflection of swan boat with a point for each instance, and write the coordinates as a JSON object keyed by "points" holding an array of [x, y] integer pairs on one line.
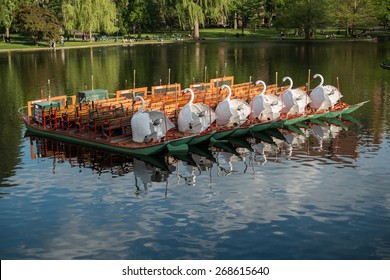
{"points": [[385, 64], [229, 156], [122, 126]]}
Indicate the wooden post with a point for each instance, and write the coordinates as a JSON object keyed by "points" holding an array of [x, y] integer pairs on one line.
{"points": [[249, 88], [276, 82], [48, 84], [338, 87], [133, 85], [176, 109]]}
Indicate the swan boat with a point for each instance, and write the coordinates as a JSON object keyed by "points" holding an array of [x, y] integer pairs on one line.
{"points": [[94, 120], [385, 64]]}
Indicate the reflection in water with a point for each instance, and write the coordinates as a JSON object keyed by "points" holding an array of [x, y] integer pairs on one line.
{"points": [[250, 198], [304, 145]]}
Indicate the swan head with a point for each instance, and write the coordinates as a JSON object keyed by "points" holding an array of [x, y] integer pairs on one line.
{"points": [[192, 94], [321, 78], [142, 100], [288, 79], [264, 85], [229, 90], [137, 97]]}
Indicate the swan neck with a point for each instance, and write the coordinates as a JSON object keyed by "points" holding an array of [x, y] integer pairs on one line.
{"points": [[322, 80], [142, 102], [192, 97], [264, 88], [229, 93], [291, 82]]}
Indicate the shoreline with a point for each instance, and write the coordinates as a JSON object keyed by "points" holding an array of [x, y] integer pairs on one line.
{"points": [[83, 46], [276, 40]]}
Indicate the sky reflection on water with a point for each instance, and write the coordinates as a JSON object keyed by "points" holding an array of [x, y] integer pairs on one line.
{"points": [[285, 201]]}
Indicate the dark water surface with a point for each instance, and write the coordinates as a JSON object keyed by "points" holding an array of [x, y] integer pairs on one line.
{"points": [[322, 195]]}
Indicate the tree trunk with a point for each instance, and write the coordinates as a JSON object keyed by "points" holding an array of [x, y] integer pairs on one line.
{"points": [[307, 33], [139, 32], [7, 32], [196, 29], [90, 34]]}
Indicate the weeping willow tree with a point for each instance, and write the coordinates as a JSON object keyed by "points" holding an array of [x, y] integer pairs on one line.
{"points": [[90, 15], [194, 12]]}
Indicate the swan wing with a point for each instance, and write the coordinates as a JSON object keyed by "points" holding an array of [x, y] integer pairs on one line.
{"points": [[319, 99], [223, 112], [140, 126], [333, 94], [258, 106], [288, 100], [242, 108], [204, 114], [185, 118], [274, 102], [195, 118], [160, 123], [302, 99]]}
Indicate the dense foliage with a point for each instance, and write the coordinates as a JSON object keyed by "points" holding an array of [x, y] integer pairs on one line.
{"points": [[37, 21], [40, 18]]}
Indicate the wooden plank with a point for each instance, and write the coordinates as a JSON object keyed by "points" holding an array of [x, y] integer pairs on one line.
{"points": [[129, 93], [171, 89]]}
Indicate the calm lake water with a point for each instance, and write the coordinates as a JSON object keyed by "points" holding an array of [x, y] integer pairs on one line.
{"points": [[321, 195]]}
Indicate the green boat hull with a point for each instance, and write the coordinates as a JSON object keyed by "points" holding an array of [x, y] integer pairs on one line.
{"points": [[292, 121], [150, 150], [240, 132], [263, 137], [201, 139]]}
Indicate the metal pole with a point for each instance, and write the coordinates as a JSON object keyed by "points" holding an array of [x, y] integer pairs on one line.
{"points": [[48, 84]]}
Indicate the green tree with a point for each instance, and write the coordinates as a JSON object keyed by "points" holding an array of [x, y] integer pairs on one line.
{"points": [[192, 12], [354, 14], [305, 15], [141, 14], [382, 11], [169, 12], [248, 11], [7, 8], [90, 15], [37, 21], [271, 8], [55, 5]]}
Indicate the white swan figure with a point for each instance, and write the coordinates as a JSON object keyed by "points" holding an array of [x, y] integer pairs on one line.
{"points": [[294, 100], [195, 118], [265, 107], [149, 125], [323, 97], [231, 111]]}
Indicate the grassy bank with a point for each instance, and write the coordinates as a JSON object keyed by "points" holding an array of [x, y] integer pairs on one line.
{"points": [[19, 42]]}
